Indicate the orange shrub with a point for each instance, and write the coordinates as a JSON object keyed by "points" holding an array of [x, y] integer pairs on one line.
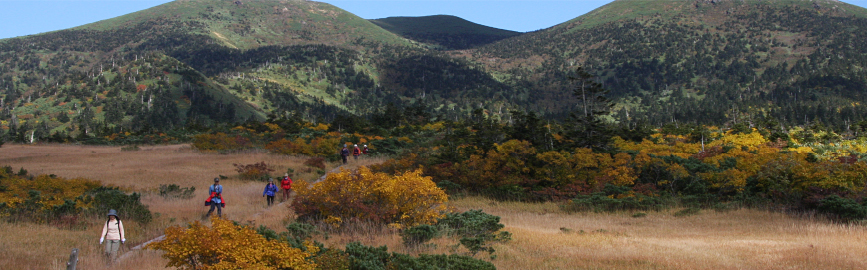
{"points": [[228, 246], [401, 200]]}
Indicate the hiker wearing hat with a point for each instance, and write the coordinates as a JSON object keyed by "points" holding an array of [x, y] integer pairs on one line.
{"points": [[216, 198], [269, 192], [286, 185], [112, 235], [356, 151], [365, 150]]}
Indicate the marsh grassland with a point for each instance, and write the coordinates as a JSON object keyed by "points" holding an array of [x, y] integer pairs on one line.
{"points": [[543, 236]]}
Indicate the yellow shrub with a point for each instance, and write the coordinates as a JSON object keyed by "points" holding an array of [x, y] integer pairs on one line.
{"points": [[403, 199], [227, 246]]}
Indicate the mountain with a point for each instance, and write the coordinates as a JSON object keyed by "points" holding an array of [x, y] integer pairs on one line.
{"points": [[198, 62], [185, 62], [711, 62], [444, 31]]}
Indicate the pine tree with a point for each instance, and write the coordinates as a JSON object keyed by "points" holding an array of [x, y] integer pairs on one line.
{"points": [[585, 126]]}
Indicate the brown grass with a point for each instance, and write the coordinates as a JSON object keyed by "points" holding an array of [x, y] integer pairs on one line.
{"points": [[543, 236]]}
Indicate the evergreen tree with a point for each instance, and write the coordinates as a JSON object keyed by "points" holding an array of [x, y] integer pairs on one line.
{"points": [[585, 126]]}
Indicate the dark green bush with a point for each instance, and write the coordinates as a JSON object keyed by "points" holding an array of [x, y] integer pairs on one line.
{"points": [[687, 212], [599, 202], [439, 262], [295, 235], [362, 257], [417, 235], [476, 228], [842, 209], [176, 192], [127, 206], [378, 258]]}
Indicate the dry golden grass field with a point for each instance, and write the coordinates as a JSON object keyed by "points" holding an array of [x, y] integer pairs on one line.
{"points": [[543, 236]]}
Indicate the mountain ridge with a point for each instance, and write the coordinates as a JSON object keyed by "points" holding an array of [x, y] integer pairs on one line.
{"points": [[202, 62]]}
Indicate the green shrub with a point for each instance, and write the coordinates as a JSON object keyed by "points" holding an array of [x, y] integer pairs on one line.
{"points": [[378, 258], [476, 228], [127, 148], [362, 257], [687, 212], [599, 202], [418, 234], [296, 234], [842, 209], [439, 262], [176, 192], [127, 206]]}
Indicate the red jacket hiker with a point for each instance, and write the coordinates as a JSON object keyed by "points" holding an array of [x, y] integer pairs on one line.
{"points": [[286, 183]]}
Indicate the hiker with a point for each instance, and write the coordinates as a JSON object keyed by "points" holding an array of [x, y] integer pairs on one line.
{"points": [[365, 150], [344, 153], [356, 151], [269, 192], [216, 198], [286, 184], [113, 232]]}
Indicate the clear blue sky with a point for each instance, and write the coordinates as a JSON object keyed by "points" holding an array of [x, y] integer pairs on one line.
{"points": [[27, 17]]}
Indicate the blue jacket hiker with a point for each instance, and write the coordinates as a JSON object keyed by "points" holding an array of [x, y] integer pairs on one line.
{"points": [[270, 190], [216, 198]]}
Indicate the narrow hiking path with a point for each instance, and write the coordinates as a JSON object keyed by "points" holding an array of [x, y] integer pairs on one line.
{"points": [[141, 246]]}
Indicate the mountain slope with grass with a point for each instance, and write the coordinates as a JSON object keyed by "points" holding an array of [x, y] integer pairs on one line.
{"points": [[178, 64], [444, 31], [195, 63]]}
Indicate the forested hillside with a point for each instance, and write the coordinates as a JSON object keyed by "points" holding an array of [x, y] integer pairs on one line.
{"points": [[193, 63], [710, 62]]}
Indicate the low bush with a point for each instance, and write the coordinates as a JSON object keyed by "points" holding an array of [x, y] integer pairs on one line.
{"points": [[419, 234], [226, 245], [476, 229], [400, 200], [316, 162], [378, 258], [842, 209], [255, 171], [127, 206], [599, 202], [128, 148], [47, 198], [174, 191], [688, 212]]}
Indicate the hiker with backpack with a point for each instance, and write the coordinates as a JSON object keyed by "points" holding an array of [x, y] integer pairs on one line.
{"points": [[112, 235], [216, 198], [344, 153], [286, 184], [270, 190], [356, 151]]}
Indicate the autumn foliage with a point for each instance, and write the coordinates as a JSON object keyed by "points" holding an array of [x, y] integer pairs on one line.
{"points": [[225, 245], [401, 200]]}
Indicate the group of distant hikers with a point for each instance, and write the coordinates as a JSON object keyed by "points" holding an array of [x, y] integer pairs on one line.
{"points": [[344, 153], [112, 231]]}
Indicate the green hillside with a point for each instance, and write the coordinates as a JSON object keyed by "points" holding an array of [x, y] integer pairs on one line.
{"points": [[446, 32], [712, 62], [195, 63], [150, 70]]}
